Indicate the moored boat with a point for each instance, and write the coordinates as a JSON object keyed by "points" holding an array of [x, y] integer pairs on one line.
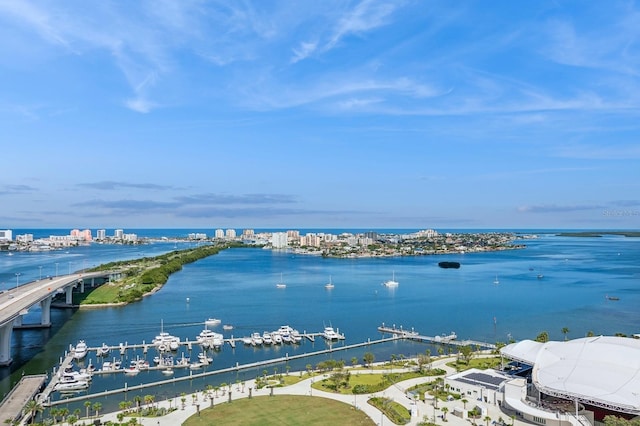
{"points": [[80, 351]]}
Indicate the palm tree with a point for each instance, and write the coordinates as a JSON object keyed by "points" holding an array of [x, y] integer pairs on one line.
{"points": [[487, 419], [368, 358], [444, 410], [97, 407], [464, 403], [590, 334], [54, 412], [565, 331], [64, 412], [32, 408], [354, 361], [87, 405]]}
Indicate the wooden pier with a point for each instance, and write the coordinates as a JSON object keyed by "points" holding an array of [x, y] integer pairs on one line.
{"points": [[450, 339]]}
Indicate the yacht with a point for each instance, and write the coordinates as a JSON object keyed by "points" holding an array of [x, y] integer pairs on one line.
{"points": [[296, 337], [80, 350], [247, 340], [277, 338], [392, 282], [212, 322], [205, 338], [70, 386], [227, 327], [218, 341], [104, 350], [330, 334], [266, 338], [329, 285], [256, 339], [164, 340]]}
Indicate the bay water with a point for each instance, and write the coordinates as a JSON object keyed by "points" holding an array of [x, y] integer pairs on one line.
{"points": [[239, 287]]}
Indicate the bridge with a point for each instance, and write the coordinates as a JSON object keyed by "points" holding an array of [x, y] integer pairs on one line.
{"points": [[15, 303]]}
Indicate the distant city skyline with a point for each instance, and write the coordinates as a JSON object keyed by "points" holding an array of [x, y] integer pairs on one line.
{"points": [[334, 114]]}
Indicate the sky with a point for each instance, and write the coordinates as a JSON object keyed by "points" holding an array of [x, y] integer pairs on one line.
{"points": [[336, 114]]}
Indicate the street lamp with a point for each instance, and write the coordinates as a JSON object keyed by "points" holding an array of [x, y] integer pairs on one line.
{"points": [[17, 280]]}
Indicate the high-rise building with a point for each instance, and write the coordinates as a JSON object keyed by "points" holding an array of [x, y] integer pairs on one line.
{"points": [[6, 235], [279, 239]]}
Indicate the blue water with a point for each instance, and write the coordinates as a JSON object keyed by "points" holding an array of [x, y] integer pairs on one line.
{"points": [[238, 286]]}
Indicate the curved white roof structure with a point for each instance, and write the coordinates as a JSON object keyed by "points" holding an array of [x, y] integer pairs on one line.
{"points": [[602, 371]]}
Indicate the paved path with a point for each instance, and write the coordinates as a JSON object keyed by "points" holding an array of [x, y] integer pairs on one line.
{"points": [[395, 392]]}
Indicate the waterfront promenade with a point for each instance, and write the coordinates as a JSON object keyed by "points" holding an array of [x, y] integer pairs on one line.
{"points": [[396, 392]]}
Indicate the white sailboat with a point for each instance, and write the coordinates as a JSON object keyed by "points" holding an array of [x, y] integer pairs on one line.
{"points": [[281, 284], [329, 285], [392, 282], [496, 281]]}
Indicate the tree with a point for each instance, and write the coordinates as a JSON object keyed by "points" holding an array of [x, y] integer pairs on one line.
{"points": [[87, 406], [368, 358], [565, 331], [466, 352], [464, 403], [354, 361], [487, 419], [97, 407], [32, 408], [543, 337], [444, 410], [590, 334]]}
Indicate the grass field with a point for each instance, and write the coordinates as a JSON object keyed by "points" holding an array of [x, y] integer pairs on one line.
{"points": [[281, 410]]}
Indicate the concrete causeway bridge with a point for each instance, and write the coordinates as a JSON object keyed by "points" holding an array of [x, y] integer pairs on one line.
{"points": [[15, 303]]}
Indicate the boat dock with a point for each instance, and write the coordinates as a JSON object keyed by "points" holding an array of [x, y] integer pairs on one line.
{"points": [[450, 339], [45, 396]]}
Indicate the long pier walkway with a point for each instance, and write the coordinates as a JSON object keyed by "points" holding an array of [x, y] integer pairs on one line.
{"points": [[450, 339], [27, 388]]}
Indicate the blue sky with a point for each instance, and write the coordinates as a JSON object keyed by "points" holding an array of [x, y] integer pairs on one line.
{"points": [[368, 114]]}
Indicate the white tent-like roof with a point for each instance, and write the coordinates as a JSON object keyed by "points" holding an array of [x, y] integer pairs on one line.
{"points": [[602, 371]]}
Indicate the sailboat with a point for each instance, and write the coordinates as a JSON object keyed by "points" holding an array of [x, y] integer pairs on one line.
{"points": [[496, 281], [392, 282], [329, 285], [281, 284]]}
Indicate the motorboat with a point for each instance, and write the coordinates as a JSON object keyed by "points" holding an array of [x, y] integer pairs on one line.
{"points": [[247, 340], [205, 338], [330, 334], [203, 358], [266, 338], [256, 339], [296, 337], [210, 322], [167, 371], [392, 282], [196, 365], [277, 338], [218, 341], [174, 345], [104, 350], [80, 351], [227, 327], [71, 386], [74, 376]]}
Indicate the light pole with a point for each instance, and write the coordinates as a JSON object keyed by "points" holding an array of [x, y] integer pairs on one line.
{"points": [[40, 267], [56, 269], [17, 280]]}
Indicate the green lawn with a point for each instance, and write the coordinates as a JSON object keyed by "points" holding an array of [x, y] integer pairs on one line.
{"points": [[285, 410]]}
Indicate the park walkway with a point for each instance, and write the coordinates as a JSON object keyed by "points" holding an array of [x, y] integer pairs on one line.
{"points": [[396, 392]]}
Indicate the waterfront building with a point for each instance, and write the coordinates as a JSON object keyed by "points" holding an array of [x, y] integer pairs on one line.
{"points": [[118, 234], [230, 234], [101, 234], [576, 381], [197, 236], [79, 235], [219, 233], [248, 233], [6, 235], [279, 240], [24, 238]]}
